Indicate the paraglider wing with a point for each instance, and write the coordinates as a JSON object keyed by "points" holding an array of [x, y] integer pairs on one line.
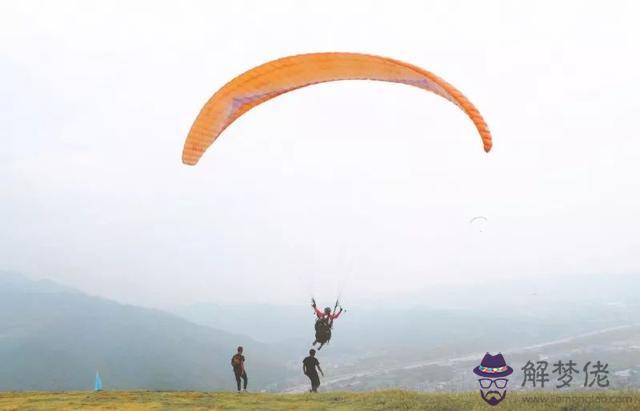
{"points": [[479, 222], [272, 79], [478, 218]]}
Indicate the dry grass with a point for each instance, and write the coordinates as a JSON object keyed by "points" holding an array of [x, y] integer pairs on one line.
{"points": [[379, 400]]}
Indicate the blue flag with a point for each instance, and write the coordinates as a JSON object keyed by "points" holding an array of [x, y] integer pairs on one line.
{"points": [[98, 382]]}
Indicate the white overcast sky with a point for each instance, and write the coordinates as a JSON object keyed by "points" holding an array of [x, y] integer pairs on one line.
{"points": [[360, 186]]}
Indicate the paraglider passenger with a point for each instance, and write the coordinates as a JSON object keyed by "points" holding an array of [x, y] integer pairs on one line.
{"points": [[237, 362], [326, 313], [324, 323], [309, 365]]}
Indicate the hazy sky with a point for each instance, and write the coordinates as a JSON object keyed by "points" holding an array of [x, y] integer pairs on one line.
{"points": [[361, 186]]}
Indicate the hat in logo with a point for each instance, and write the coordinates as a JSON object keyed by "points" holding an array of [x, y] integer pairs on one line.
{"points": [[493, 366]]}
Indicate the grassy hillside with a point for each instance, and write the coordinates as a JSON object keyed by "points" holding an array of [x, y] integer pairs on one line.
{"points": [[381, 400]]}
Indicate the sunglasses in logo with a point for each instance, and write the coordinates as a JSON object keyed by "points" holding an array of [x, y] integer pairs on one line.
{"points": [[498, 382]]}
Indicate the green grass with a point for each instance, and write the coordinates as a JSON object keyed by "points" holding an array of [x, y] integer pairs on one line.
{"points": [[379, 400]]}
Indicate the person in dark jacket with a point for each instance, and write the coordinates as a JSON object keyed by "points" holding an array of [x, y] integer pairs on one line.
{"points": [[309, 366], [237, 362]]}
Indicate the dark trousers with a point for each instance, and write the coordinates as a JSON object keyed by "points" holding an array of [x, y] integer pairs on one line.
{"points": [[241, 374], [315, 381]]}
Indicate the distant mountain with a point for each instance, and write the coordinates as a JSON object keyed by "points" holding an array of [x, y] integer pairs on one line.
{"points": [[55, 338]]}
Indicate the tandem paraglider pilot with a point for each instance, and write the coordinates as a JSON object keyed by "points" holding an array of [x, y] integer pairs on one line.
{"points": [[324, 323]]}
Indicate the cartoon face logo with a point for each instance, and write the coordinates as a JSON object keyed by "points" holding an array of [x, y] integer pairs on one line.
{"points": [[492, 372]]}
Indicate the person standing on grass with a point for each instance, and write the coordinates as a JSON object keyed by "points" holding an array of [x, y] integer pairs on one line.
{"points": [[309, 365], [237, 362]]}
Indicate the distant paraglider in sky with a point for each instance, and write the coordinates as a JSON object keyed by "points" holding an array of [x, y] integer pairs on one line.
{"points": [[280, 76], [479, 223]]}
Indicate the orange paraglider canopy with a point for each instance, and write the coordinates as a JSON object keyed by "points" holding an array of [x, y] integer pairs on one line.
{"points": [[271, 79]]}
